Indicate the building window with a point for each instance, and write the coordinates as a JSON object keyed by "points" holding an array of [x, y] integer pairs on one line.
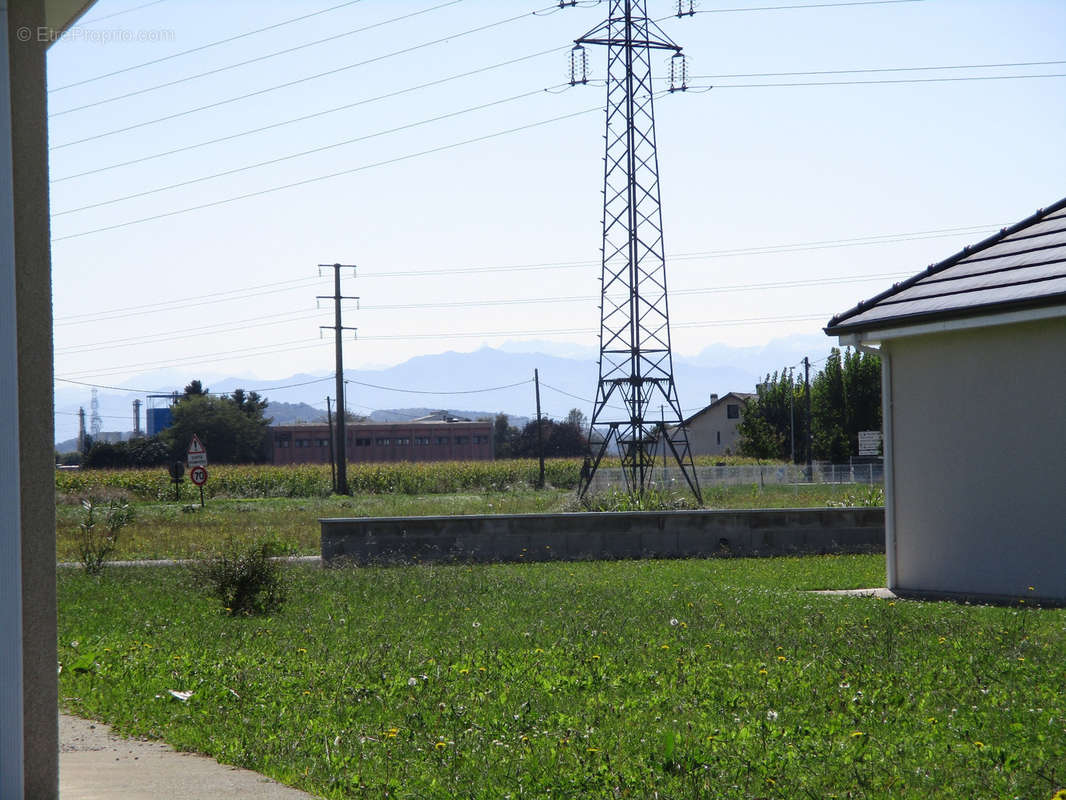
{"points": [[732, 411], [402, 440], [422, 440], [322, 442], [443, 440], [283, 442], [381, 442], [481, 440], [461, 439], [718, 436], [359, 442]]}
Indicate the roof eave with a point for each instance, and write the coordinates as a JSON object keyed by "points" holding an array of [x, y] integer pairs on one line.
{"points": [[989, 316]]}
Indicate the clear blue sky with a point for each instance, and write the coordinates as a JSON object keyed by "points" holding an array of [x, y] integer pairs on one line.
{"points": [[743, 168]]}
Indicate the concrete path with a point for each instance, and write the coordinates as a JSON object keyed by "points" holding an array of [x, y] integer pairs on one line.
{"points": [[96, 764], [879, 592]]}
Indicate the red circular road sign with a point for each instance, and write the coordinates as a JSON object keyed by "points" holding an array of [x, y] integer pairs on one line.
{"points": [[198, 475]]}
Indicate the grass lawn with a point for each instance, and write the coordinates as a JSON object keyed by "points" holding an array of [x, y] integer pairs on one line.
{"points": [[669, 679], [182, 530]]}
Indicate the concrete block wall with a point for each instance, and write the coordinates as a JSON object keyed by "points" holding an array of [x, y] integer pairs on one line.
{"points": [[641, 534]]}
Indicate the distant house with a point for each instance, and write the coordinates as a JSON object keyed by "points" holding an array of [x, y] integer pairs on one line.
{"points": [[973, 354], [434, 438], [712, 431]]}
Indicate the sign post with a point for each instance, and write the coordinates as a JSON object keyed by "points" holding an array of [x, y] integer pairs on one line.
{"points": [[869, 443], [198, 475], [196, 458], [177, 472]]}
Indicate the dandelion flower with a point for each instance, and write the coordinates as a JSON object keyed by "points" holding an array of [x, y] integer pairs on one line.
{"points": [[782, 658], [441, 745], [857, 734], [665, 647], [593, 749]]}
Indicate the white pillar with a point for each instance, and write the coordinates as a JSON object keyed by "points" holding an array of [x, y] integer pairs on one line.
{"points": [[11, 708]]}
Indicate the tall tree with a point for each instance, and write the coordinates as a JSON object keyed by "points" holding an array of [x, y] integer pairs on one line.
{"points": [[194, 389], [827, 411], [775, 418], [231, 433], [504, 436]]}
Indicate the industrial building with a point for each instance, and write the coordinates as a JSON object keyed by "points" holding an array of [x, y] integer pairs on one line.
{"points": [[432, 438]]}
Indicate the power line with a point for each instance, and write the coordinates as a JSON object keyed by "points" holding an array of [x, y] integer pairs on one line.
{"points": [[253, 291], [120, 13], [791, 7], [298, 81], [262, 320], [304, 118], [153, 391], [328, 176], [300, 154], [871, 70], [795, 84], [303, 344], [217, 70], [202, 47], [428, 391], [187, 302]]}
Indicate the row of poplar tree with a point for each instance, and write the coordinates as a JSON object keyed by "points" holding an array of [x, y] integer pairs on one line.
{"points": [[845, 398]]}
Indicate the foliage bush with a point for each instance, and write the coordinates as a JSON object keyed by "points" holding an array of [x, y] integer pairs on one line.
{"points": [[247, 578], [650, 500], [872, 497], [94, 546]]}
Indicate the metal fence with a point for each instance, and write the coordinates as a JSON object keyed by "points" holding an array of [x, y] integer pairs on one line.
{"points": [[762, 475]]}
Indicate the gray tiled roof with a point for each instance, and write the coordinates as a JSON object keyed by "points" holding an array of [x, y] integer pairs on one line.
{"points": [[1021, 266]]}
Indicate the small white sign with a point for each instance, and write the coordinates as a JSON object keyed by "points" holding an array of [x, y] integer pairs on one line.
{"points": [[869, 443], [196, 456]]}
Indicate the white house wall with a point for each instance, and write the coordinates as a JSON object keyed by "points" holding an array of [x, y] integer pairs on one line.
{"points": [[979, 436], [712, 433]]}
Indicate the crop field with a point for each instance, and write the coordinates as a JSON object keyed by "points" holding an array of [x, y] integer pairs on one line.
{"points": [[719, 678], [168, 529]]}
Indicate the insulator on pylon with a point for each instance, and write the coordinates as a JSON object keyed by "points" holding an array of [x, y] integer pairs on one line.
{"points": [[682, 11], [678, 73], [579, 65]]}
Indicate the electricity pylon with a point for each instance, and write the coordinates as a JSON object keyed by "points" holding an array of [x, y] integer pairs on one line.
{"points": [[636, 366]]}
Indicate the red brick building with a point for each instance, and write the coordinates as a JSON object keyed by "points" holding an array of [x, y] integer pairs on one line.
{"points": [[429, 439]]}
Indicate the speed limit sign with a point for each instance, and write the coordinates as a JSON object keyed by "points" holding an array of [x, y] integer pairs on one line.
{"points": [[198, 475]]}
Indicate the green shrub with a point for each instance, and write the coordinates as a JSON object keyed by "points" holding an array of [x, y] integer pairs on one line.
{"points": [[95, 546], [649, 500], [248, 579], [872, 497]]}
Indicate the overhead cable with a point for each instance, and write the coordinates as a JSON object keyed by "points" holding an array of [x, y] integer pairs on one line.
{"points": [[290, 156], [328, 176], [305, 117], [298, 81], [202, 47], [246, 62]]}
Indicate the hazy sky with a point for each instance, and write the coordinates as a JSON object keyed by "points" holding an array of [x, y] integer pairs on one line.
{"points": [[497, 240]]}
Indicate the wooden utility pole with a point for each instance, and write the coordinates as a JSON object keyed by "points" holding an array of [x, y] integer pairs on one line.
{"points": [[540, 434], [338, 328], [807, 390], [332, 451]]}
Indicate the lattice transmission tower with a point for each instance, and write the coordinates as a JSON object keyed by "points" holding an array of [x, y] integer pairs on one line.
{"points": [[637, 411]]}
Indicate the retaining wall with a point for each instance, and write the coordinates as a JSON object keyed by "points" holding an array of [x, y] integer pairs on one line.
{"points": [[604, 535]]}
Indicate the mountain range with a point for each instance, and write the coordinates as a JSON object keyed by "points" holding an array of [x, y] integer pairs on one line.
{"points": [[488, 380]]}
